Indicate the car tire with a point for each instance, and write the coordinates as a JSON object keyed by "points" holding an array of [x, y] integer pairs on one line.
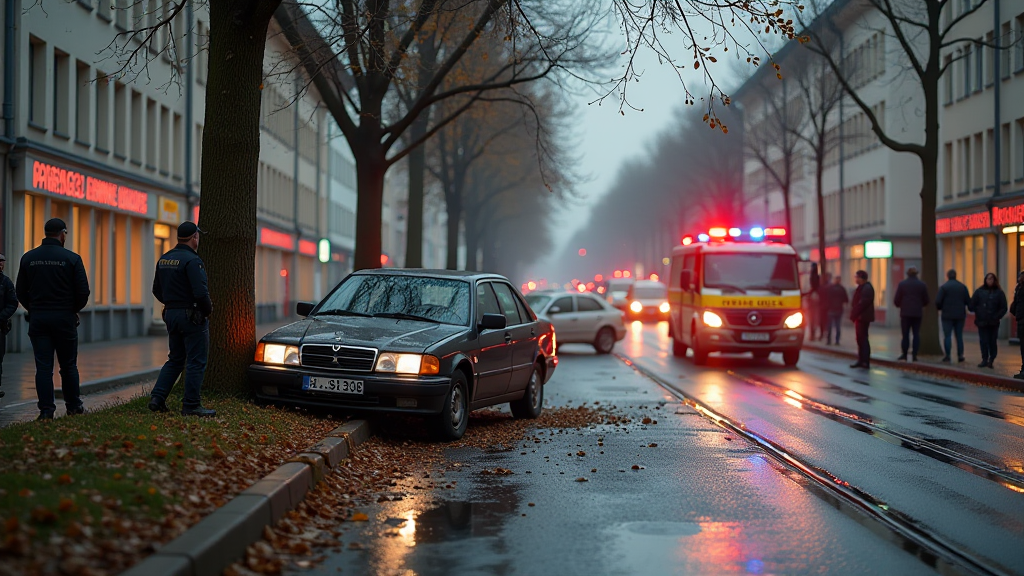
{"points": [[762, 354], [454, 417], [532, 403], [790, 357], [678, 348], [604, 342], [700, 356]]}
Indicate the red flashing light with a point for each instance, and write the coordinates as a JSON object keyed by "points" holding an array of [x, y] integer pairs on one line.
{"points": [[718, 232], [284, 273], [617, 274], [581, 288], [625, 274], [583, 252], [591, 285], [687, 240], [598, 278], [383, 259], [774, 231], [654, 277]]}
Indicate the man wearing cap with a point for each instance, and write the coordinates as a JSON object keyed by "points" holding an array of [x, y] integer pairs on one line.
{"points": [[53, 288], [180, 284], [8, 306], [862, 313]]}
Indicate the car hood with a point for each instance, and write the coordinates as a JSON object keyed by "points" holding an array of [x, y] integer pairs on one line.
{"points": [[381, 333]]}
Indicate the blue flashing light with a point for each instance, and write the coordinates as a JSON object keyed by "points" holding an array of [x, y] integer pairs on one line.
{"points": [[703, 238], [757, 232]]}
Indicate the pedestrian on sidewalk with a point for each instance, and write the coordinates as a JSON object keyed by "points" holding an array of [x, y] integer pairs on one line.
{"points": [[862, 312], [836, 300], [9, 303], [180, 284], [812, 311], [1017, 309], [952, 301], [911, 298], [53, 288], [989, 307]]}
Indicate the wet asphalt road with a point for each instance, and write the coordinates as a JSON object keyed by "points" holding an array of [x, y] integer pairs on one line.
{"points": [[946, 456]]}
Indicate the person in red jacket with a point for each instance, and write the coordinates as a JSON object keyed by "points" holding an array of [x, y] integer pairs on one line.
{"points": [[862, 312]]}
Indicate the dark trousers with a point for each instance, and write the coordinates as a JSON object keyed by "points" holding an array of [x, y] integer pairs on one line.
{"points": [[50, 333], [950, 327], [988, 336], [3, 352], [908, 325], [835, 320], [188, 346], [863, 346]]}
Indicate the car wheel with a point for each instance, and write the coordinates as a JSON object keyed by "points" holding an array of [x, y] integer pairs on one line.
{"points": [[790, 357], [762, 354], [700, 356], [454, 417], [605, 341], [532, 403], [678, 348]]}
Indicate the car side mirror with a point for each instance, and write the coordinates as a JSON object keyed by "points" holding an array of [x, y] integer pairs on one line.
{"points": [[304, 308], [493, 322], [554, 310], [685, 279]]}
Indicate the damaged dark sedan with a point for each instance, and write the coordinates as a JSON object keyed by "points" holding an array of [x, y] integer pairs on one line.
{"points": [[433, 343]]}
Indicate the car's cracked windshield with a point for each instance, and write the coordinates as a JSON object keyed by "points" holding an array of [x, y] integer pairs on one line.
{"points": [[400, 297]]}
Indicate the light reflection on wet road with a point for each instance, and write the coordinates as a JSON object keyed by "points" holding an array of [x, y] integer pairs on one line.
{"points": [[704, 501]]}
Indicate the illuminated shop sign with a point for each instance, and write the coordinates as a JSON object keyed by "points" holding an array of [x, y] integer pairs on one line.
{"points": [[964, 223], [307, 247], [75, 185], [170, 210], [277, 239], [1004, 216], [878, 249]]}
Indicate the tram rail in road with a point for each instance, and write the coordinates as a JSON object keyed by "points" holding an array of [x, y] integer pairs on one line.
{"points": [[899, 528]]}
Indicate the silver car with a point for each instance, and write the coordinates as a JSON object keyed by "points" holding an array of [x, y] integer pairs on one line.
{"points": [[618, 289], [580, 318]]}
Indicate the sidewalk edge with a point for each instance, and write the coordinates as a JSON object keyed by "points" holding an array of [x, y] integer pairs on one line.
{"points": [[113, 381], [221, 538], [990, 380]]}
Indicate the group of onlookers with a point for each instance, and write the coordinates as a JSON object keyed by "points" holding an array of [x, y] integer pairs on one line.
{"points": [[954, 301]]}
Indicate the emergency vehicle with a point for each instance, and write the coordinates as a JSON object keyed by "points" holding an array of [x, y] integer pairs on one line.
{"points": [[734, 290]]}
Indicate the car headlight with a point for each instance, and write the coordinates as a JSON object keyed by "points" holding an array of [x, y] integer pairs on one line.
{"points": [[397, 363], [281, 354], [636, 307], [664, 308], [795, 320], [712, 320]]}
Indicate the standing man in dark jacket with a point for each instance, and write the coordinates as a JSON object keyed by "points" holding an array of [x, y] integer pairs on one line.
{"points": [[952, 301], [9, 304], [911, 298], [862, 312], [53, 288], [1017, 309], [836, 299], [989, 307], [180, 284]]}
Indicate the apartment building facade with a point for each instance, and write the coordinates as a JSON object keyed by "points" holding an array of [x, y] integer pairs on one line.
{"points": [[117, 154]]}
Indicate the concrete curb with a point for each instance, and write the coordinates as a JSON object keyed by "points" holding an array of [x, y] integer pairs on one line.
{"points": [[991, 380], [114, 381], [221, 538]]}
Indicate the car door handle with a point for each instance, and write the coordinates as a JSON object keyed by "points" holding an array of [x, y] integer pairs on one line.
{"points": [[508, 338]]}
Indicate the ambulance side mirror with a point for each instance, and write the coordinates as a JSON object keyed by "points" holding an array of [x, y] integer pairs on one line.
{"points": [[685, 279]]}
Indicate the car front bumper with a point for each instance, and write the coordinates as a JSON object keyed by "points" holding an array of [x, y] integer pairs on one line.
{"points": [[381, 393], [730, 340]]}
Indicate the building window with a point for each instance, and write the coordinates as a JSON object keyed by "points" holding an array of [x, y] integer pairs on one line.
{"points": [[990, 164], [135, 271], [136, 129], [83, 103], [1005, 149], [177, 146], [966, 63], [37, 82], [1004, 58], [990, 67], [1019, 60], [61, 102], [166, 141], [121, 109], [121, 14], [979, 67], [979, 163], [197, 146], [948, 81], [118, 292], [152, 128], [103, 9], [102, 112], [948, 172], [101, 244], [1019, 148], [82, 232], [202, 54]]}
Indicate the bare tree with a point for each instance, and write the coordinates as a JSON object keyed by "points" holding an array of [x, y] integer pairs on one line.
{"points": [[923, 29]]}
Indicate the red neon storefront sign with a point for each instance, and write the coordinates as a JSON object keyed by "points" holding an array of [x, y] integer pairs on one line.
{"points": [[71, 184], [307, 247], [277, 239], [964, 223], [1008, 215]]}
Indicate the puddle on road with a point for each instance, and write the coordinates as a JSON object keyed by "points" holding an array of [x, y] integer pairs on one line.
{"points": [[684, 548]]}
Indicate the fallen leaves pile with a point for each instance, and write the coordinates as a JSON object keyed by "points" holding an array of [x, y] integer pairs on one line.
{"points": [[95, 494], [393, 463]]}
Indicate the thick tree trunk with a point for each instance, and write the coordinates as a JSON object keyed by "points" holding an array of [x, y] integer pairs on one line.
{"points": [[417, 167], [370, 169], [231, 151], [454, 209], [929, 190]]}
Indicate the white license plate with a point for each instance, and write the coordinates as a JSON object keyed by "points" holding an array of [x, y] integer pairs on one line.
{"points": [[336, 385], [756, 336]]}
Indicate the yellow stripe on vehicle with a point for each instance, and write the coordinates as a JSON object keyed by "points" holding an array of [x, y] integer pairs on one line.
{"points": [[750, 301]]}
